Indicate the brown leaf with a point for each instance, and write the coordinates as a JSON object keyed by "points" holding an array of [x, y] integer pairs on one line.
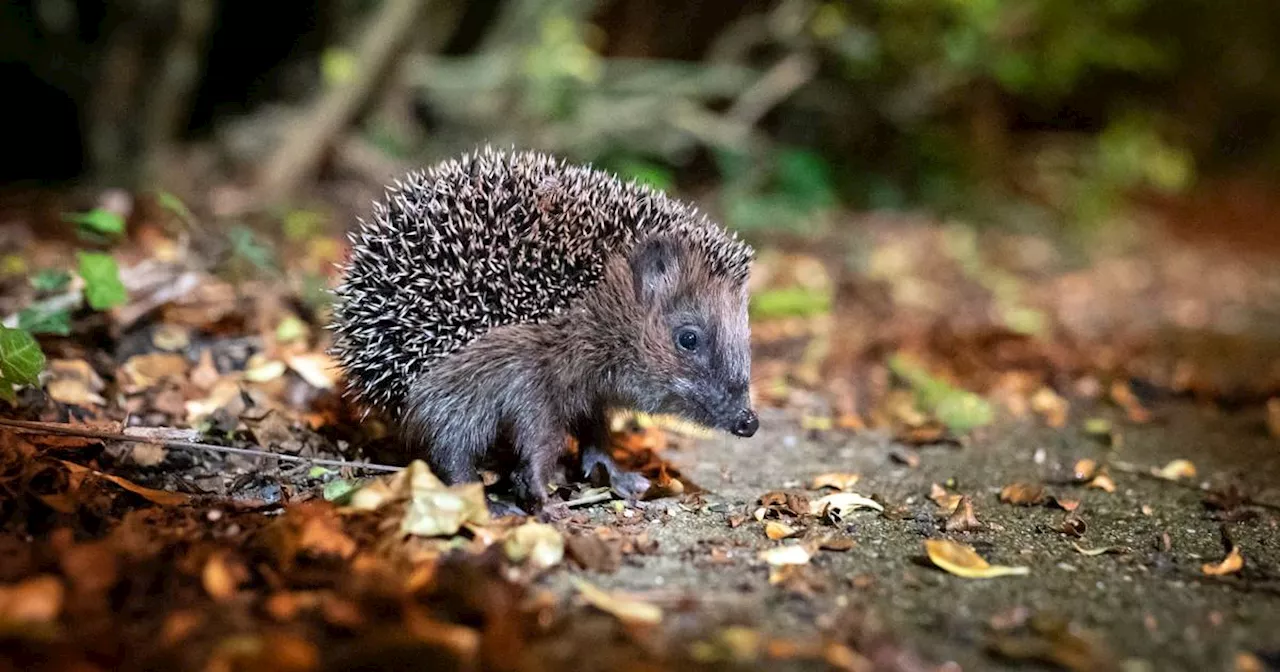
{"points": [[221, 577], [1231, 564], [946, 501], [1124, 397], [1273, 417], [1022, 494], [1073, 525], [35, 600], [145, 371], [205, 374], [836, 542], [963, 518], [592, 553], [1064, 503], [161, 497], [1054, 408], [905, 456], [1175, 470], [963, 561], [837, 480], [776, 530], [799, 579], [1103, 482], [1084, 470], [623, 607]]}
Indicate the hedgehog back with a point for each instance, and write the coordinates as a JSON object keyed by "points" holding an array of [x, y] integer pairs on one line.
{"points": [[487, 240]]}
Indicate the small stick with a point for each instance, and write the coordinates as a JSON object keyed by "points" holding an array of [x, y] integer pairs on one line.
{"points": [[586, 499], [69, 430]]}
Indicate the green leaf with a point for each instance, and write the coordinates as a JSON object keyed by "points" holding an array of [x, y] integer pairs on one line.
{"points": [[99, 221], [647, 173], [50, 280], [339, 490], [42, 321], [790, 302], [246, 245], [960, 410], [174, 205], [102, 287], [20, 361]]}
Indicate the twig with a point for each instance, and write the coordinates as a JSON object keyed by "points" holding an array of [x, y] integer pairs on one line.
{"points": [[586, 499], [69, 430], [782, 80], [300, 154]]}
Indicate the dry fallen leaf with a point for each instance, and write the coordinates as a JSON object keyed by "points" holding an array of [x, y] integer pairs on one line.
{"points": [[1084, 470], [317, 368], [144, 371], [791, 554], [945, 500], [1065, 503], [776, 530], [74, 382], [1124, 397], [836, 480], [161, 497], [1175, 470], [1231, 564], [541, 544], [1073, 525], [220, 577], [963, 561], [1273, 417], [1022, 494], [36, 600], [841, 504], [262, 369], [1049, 404], [1092, 552], [963, 518], [623, 607], [1103, 482]]}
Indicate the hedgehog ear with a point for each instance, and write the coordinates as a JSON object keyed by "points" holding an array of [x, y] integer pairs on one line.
{"points": [[655, 264]]}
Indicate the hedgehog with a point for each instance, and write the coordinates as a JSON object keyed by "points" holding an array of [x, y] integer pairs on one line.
{"points": [[500, 302]]}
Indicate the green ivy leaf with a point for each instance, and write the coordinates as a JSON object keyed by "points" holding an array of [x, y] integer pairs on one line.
{"points": [[102, 287], [50, 280], [38, 321], [20, 361], [98, 221]]}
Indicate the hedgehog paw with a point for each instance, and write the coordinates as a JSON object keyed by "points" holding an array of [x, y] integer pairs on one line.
{"points": [[600, 469], [500, 509]]}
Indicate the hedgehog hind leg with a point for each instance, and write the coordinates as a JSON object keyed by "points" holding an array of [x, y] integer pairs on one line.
{"points": [[452, 445], [598, 464]]}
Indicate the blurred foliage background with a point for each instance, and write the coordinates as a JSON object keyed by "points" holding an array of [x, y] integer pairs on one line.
{"points": [[1031, 112]]}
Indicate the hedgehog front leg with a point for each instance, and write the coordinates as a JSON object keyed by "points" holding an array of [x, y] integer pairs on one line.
{"points": [[538, 446], [593, 447]]}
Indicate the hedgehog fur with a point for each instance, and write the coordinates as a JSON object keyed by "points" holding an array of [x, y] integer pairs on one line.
{"points": [[489, 239]]}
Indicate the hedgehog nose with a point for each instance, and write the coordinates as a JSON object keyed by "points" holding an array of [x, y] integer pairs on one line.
{"points": [[746, 423]]}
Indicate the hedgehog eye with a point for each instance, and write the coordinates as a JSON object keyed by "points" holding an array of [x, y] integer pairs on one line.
{"points": [[688, 338]]}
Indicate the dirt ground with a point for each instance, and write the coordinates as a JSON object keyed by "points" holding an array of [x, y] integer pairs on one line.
{"points": [[1149, 607]]}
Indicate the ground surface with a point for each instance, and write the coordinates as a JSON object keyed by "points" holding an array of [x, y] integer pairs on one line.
{"points": [[1151, 604], [975, 389]]}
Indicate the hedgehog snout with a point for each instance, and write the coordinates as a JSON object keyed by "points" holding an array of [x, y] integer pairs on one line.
{"points": [[746, 423]]}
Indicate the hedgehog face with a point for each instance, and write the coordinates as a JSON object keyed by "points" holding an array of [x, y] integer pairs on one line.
{"points": [[695, 340]]}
